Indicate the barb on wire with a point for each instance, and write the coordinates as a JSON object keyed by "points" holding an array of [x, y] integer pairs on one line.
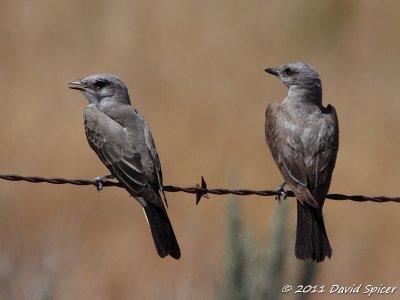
{"points": [[199, 190]]}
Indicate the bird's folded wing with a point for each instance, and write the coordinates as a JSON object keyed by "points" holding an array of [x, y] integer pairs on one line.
{"points": [[115, 149], [287, 149]]}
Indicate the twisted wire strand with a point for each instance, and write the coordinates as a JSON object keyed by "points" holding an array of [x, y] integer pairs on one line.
{"points": [[198, 190]]}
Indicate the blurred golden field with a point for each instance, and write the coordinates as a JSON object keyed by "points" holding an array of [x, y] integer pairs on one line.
{"points": [[195, 71]]}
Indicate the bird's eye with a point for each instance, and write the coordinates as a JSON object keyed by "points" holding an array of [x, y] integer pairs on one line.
{"points": [[99, 84], [287, 70]]}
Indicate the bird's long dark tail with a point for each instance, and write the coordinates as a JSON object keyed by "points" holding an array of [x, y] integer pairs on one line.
{"points": [[161, 229], [311, 238]]}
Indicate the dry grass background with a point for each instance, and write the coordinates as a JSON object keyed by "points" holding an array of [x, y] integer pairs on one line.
{"points": [[195, 70]]}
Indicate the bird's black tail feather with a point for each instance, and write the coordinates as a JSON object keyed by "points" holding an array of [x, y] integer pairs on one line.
{"points": [[311, 238], [161, 229]]}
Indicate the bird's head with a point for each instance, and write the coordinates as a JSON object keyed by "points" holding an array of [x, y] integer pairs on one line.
{"points": [[100, 87], [296, 74]]}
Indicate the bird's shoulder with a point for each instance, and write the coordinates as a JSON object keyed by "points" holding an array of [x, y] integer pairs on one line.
{"points": [[91, 113], [125, 115], [271, 115], [280, 121], [272, 111], [101, 129]]}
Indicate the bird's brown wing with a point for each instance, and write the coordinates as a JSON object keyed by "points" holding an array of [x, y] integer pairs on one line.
{"points": [[116, 150], [287, 150]]}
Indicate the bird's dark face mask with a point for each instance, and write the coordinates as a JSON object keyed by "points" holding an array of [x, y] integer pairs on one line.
{"points": [[94, 91], [102, 88]]}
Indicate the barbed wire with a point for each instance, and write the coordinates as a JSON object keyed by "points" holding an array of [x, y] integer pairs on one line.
{"points": [[200, 190]]}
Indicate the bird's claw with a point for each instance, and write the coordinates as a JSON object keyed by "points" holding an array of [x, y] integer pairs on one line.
{"points": [[282, 196], [101, 180]]}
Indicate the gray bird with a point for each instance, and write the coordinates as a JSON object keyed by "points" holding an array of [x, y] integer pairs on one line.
{"points": [[303, 137], [121, 138]]}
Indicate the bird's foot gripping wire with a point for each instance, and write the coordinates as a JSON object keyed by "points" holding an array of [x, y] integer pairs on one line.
{"points": [[282, 196], [101, 180]]}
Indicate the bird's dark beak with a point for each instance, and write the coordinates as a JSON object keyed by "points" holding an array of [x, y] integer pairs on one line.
{"points": [[77, 85], [273, 71]]}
